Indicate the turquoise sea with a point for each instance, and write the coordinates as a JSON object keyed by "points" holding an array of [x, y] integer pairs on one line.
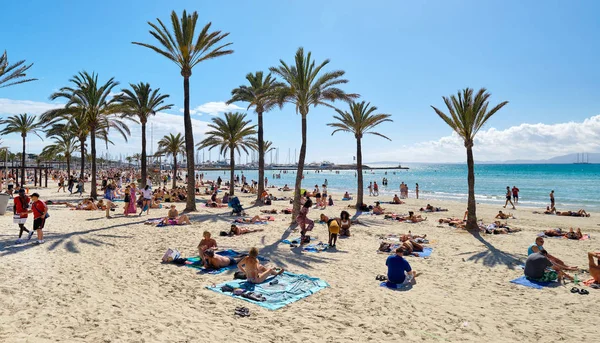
{"points": [[575, 185]]}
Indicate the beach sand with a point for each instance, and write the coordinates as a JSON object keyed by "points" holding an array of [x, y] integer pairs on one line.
{"points": [[101, 280]]}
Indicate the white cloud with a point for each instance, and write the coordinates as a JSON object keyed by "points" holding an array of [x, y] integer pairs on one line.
{"points": [[213, 108], [525, 141], [12, 107]]}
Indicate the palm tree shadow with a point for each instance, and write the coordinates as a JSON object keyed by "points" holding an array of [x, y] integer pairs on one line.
{"points": [[493, 256]]}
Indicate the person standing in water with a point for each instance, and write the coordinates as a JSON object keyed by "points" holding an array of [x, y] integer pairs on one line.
{"points": [[552, 199], [508, 197], [417, 190], [515, 194]]}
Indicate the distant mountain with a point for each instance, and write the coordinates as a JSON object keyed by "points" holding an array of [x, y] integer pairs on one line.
{"points": [[592, 158]]}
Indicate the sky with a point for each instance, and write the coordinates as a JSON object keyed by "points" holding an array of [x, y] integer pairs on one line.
{"points": [[400, 56]]}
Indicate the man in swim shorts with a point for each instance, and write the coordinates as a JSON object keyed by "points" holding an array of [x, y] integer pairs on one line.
{"points": [[216, 261], [535, 268]]}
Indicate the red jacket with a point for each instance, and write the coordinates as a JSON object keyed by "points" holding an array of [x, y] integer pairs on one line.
{"points": [[38, 208], [19, 208]]}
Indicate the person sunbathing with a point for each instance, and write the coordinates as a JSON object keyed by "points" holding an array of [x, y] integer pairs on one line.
{"points": [[379, 210], [84, 205], [256, 272], [397, 200], [415, 218], [237, 231], [410, 236], [594, 266], [173, 218], [430, 208], [498, 228], [270, 211], [206, 243], [502, 215], [216, 261], [574, 235], [255, 219], [554, 233], [550, 210], [580, 213], [449, 220], [411, 247]]}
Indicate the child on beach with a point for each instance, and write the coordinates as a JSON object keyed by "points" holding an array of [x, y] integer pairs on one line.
{"points": [[40, 212], [334, 230]]}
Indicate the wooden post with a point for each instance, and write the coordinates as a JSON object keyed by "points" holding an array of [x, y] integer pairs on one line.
{"points": [[46, 172]]}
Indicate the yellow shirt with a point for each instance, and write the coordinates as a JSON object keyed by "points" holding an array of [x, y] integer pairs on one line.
{"points": [[334, 227]]}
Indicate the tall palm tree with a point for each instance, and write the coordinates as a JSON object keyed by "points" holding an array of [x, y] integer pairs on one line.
{"points": [[98, 110], [12, 74], [65, 144], [306, 86], [141, 102], [186, 51], [260, 94], [359, 121], [268, 146], [22, 124], [172, 145], [230, 135], [467, 117]]}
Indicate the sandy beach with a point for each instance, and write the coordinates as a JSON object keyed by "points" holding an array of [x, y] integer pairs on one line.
{"points": [[101, 280]]}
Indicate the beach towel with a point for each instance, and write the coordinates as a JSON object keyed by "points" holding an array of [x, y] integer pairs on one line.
{"points": [[524, 281], [396, 286], [295, 240], [315, 247], [194, 262], [289, 288], [153, 221], [172, 222], [583, 238]]}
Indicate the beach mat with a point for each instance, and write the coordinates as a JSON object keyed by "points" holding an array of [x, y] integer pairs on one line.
{"points": [[289, 288], [194, 262], [395, 286], [524, 281], [315, 247]]}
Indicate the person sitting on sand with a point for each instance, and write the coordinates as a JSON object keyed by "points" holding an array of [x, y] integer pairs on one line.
{"points": [[255, 272], [216, 261], [397, 200], [415, 218], [206, 243], [539, 246], [379, 210], [535, 268], [286, 188], [255, 219], [594, 266], [347, 195], [550, 210], [399, 268], [502, 215], [173, 218], [345, 224], [237, 231]]}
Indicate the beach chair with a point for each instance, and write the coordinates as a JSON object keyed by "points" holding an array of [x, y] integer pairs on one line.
{"points": [[236, 206]]}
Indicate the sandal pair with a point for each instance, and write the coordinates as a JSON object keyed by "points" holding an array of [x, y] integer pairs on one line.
{"points": [[381, 278], [242, 311], [580, 291]]}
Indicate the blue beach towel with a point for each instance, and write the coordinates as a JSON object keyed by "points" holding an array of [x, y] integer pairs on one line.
{"points": [[426, 252], [289, 288], [195, 262], [315, 247], [524, 281], [294, 241], [395, 286]]}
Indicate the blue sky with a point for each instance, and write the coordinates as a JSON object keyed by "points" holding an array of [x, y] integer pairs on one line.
{"points": [[400, 56]]}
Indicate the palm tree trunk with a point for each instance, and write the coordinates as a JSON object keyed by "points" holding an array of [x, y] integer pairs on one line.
{"points": [[471, 216], [261, 160], [359, 171], [68, 165], [231, 172], [144, 171], [175, 170], [189, 147], [300, 170], [82, 142], [23, 163], [93, 191]]}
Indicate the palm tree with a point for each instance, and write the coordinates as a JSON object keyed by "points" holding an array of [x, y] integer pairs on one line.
{"points": [[230, 135], [360, 120], [65, 144], [11, 75], [141, 102], [21, 124], [72, 123], [467, 117], [306, 86], [172, 145], [261, 93], [268, 146], [186, 51], [97, 108]]}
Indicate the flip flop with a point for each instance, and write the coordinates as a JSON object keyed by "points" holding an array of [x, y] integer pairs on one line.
{"points": [[584, 291], [242, 312], [595, 286], [574, 290]]}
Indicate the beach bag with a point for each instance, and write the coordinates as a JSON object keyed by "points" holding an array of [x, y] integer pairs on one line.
{"points": [[18, 220], [171, 255]]}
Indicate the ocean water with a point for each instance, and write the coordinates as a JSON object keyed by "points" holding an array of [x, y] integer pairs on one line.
{"points": [[575, 185]]}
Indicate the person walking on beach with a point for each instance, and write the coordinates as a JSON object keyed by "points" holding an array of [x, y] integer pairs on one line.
{"points": [[375, 189], [370, 188], [20, 209], [508, 196], [303, 221], [417, 190], [515, 194], [40, 211], [147, 200], [552, 199]]}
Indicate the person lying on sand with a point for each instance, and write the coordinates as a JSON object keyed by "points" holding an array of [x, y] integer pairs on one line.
{"points": [[256, 272], [574, 235], [554, 233], [84, 205], [206, 243], [449, 220], [498, 228], [539, 246], [430, 208], [550, 210], [237, 231], [216, 261], [535, 268], [411, 247], [502, 215], [580, 213], [255, 219], [173, 218], [270, 211], [397, 200], [594, 266]]}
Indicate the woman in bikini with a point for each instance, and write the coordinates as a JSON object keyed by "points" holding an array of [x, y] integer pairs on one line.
{"points": [[345, 224], [237, 231], [255, 272], [255, 219], [173, 218]]}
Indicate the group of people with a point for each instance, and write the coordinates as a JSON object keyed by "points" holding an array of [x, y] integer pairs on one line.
{"points": [[23, 206]]}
